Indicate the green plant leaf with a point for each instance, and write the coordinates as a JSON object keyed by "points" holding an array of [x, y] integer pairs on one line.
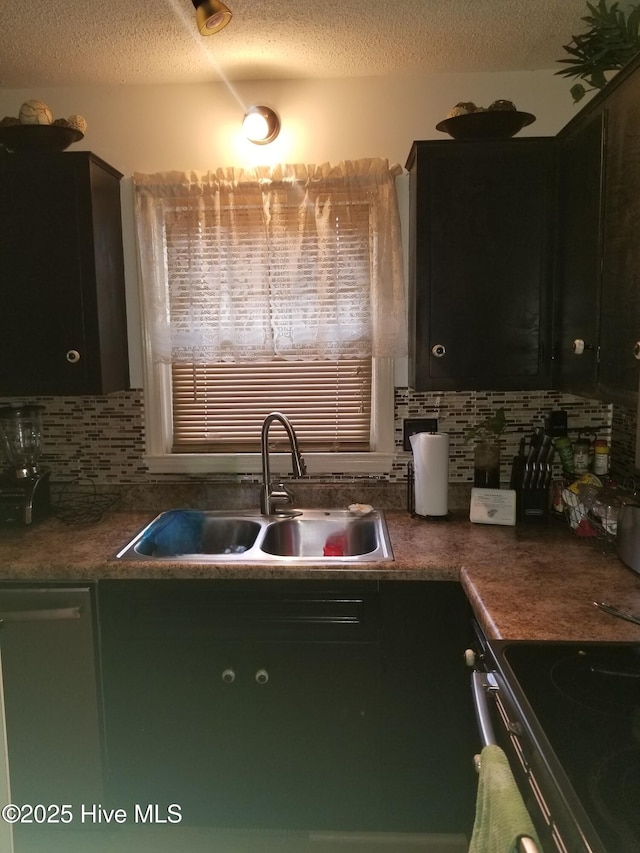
{"points": [[598, 80], [633, 22], [611, 42], [578, 92], [490, 428]]}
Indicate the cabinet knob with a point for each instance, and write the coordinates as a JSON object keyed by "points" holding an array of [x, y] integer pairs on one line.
{"points": [[72, 356], [439, 350], [469, 657], [578, 346], [262, 676], [228, 676], [636, 351]]}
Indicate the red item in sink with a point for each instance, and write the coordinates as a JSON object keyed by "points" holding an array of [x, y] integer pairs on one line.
{"points": [[334, 546]]}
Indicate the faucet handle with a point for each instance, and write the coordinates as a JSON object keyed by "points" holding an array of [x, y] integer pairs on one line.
{"points": [[279, 495]]}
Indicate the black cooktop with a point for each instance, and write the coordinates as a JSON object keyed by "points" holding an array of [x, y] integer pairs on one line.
{"points": [[585, 698]]}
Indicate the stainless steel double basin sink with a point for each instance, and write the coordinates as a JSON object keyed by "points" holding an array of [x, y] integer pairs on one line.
{"points": [[305, 536]]}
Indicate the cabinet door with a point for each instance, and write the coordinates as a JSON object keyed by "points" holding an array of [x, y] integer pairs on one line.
{"points": [[63, 321], [173, 713], [577, 332], [481, 264], [41, 281], [247, 705], [314, 723], [430, 733], [620, 315]]}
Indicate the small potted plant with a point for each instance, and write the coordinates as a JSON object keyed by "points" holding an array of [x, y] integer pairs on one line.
{"points": [[486, 458], [611, 42]]}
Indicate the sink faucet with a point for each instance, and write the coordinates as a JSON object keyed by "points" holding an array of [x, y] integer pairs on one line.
{"points": [[274, 496]]}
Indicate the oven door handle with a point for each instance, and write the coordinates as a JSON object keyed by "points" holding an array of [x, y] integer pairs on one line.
{"points": [[483, 683], [480, 684]]}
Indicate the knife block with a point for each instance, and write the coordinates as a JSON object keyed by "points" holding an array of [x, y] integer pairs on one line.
{"points": [[532, 504]]}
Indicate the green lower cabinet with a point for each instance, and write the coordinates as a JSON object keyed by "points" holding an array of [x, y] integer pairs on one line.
{"points": [[286, 705], [430, 732]]}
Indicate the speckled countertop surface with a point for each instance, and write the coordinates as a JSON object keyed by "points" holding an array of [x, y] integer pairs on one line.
{"points": [[534, 581]]}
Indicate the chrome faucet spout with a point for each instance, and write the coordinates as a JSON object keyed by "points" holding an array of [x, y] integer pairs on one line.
{"points": [[274, 496]]}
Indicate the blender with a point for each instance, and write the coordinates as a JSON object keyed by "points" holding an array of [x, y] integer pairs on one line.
{"points": [[24, 486]]}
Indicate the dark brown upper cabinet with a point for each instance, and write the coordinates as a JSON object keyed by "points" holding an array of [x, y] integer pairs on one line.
{"points": [[580, 201], [62, 298], [620, 300], [598, 286], [481, 263]]}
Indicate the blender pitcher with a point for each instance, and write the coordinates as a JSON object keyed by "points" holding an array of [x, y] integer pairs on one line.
{"points": [[24, 486], [21, 436]]}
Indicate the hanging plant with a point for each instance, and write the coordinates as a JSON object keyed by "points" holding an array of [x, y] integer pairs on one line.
{"points": [[611, 42]]}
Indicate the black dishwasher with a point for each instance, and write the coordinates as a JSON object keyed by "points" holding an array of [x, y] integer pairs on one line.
{"points": [[51, 689]]}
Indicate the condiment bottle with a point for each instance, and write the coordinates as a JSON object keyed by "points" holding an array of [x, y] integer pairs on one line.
{"points": [[581, 456], [565, 451], [600, 457]]}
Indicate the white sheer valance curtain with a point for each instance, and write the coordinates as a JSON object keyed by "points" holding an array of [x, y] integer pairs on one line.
{"points": [[297, 262]]}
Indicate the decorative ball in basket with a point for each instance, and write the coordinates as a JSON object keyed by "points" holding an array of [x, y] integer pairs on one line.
{"points": [[34, 129], [500, 120]]}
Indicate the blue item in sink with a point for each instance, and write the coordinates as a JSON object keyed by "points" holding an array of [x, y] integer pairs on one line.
{"points": [[177, 532]]}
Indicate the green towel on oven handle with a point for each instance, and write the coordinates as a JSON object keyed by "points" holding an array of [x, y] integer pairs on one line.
{"points": [[501, 815]]}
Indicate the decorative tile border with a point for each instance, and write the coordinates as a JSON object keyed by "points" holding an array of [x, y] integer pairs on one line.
{"points": [[623, 443], [103, 437], [458, 410]]}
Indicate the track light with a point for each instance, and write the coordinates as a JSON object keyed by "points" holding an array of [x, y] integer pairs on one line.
{"points": [[261, 125], [211, 16]]}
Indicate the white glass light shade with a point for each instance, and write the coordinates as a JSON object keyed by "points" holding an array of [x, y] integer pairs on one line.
{"points": [[261, 125]]}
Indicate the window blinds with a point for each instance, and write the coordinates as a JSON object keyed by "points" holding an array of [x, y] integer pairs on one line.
{"points": [[220, 407]]}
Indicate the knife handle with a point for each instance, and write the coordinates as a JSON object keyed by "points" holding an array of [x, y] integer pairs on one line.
{"points": [[517, 472]]}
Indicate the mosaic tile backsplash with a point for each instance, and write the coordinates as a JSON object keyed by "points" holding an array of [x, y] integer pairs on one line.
{"points": [[103, 437]]}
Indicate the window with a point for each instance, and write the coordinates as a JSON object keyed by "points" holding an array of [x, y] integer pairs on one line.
{"points": [[270, 291]]}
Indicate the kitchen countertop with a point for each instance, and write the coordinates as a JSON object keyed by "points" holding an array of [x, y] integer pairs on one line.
{"points": [[534, 581]]}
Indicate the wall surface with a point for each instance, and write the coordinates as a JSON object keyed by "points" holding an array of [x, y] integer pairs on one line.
{"points": [[197, 127], [158, 128]]}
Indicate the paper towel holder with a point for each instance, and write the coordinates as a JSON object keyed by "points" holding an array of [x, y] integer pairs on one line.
{"points": [[411, 499]]}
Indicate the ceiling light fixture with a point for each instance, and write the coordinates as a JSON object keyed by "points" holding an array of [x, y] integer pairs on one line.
{"points": [[211, 16], [261, 125]]}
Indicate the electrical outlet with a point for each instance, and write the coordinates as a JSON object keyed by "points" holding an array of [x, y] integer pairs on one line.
{"points": [[411, 426]]}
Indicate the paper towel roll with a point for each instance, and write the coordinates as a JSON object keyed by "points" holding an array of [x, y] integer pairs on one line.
{"points": [[431, 472]]}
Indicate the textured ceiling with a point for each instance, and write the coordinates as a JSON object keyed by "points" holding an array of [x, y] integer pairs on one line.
{"points": [[70, 42]]}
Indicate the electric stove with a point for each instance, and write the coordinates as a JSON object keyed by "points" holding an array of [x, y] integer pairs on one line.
{"points": [[568, 716]]}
